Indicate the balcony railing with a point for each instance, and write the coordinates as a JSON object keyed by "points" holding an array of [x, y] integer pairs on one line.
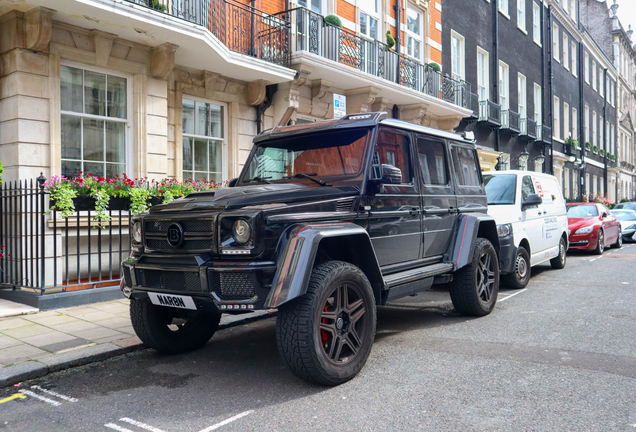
{"points": [[241, 28], [473, 101], [546, 134], [510, 121], [312, 34], [490, 113], [528, 128]]}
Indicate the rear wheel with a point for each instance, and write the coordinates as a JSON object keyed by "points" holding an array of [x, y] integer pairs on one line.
{"points": [[475, 287], [169, 330], [619, 240], [559, 261], [326, 336], [600, 245], [520, 276]]}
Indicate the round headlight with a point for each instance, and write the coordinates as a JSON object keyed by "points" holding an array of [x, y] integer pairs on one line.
{"points": [[241, 231], [137, 232]]}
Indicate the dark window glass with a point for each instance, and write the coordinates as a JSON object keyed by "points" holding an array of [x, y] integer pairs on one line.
{"points": [[392, 149], [500, 189], [527, 188], [465, 166], [432, 158]]}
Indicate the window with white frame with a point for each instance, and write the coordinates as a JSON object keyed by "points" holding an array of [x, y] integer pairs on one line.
{"points": [[612, 139], [369, 18], [572, 9], [586, 67], [601, 126], [566, 5], [593, 75], [555, 42], [566, 183], [556, 120], [521, 96], [204, 128], [536, 23], [594, 126], [94, 121], [314, 5], [457, 56], [601, 83], [612, 92], [566, 120], [574, 55], [483, 75], [521, 14], [503, 6], [504, 86], [607, 137], [537, 104], [566, 51], [594, 185], [414, 31], [575, 124], [575, 185], [587, 124]]}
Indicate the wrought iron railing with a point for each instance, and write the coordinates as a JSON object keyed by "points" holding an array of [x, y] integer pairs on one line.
{"points": [[312, 34], [490, 112], [530, 128], [474, 104], [510, 121], [546, 133], [46, 253], [238, 26]]}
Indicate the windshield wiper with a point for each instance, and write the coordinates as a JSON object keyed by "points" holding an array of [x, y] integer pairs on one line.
{"points": [[309, 177], [261, 179]]}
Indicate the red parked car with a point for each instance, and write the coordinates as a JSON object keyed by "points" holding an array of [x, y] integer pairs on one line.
{"points": [[593, 227]]}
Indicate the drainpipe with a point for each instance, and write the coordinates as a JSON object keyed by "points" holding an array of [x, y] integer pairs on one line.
{"points": [[550, 102], [495, 46], [582, 112], [398, 40], [605, 143], [543, 86], [262, 107], [253, 29]]}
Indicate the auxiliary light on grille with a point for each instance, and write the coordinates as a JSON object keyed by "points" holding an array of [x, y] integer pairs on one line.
{"points": [[236, 307], [235, 252]]}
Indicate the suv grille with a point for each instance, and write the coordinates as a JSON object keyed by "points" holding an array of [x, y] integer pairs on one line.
{"points": [[198, 235], [169, 280], [232, 285]]}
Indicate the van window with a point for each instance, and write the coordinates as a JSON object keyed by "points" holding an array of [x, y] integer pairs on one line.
{"points": [[527, 188], [392, 149], [465, 166], [432, 162]]}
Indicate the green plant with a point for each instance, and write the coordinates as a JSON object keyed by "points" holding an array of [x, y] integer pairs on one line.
{"points": [[595, 149], [624, 200], [157, 5], [1, 171], [167, 197], [138, 200], [602, 152], [435, 66], [333, 20], [588, 145], [101, 206], [63, 196]]}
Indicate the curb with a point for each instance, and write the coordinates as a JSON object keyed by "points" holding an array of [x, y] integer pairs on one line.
{"points": [[56, 362]]}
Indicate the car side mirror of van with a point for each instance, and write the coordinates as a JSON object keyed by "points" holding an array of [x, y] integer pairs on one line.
{"points": [[533, 200], [233, 182]]}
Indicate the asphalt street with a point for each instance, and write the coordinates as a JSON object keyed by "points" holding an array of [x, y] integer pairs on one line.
{"points": [[557, 356]]}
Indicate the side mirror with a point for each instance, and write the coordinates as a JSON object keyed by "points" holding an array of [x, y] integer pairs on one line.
{"points": [[533, 200], [391, 174], [233, 182], [604, 215]]}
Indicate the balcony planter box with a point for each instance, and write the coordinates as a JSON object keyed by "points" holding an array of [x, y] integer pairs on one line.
{"points": [[153, 201], [119, 203], [86, 203]]}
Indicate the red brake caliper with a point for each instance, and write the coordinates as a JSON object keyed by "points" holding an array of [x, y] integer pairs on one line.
{"points": [[323, 334]]}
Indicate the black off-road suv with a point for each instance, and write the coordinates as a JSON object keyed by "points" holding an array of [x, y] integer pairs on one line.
{"points": [[325, 222]]}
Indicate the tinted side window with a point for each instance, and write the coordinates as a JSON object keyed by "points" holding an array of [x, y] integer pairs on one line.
{"points": [[432, 159], [465, 166], [392, 149], [527, 188]]}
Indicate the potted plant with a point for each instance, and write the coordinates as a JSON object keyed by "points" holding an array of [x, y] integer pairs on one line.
{"points": [[571, 145], [333, 20], [588, 146], [602, 152], [435, 66], [157, 5], [595, 149]]}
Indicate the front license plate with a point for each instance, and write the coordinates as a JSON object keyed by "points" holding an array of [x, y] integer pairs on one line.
{"points": [[171, 300]]}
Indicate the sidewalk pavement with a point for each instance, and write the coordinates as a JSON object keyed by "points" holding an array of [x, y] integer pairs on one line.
{"points": [[36, 344]]}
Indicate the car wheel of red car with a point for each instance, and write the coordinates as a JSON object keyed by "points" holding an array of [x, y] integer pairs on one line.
{"points": [[619, 239], [600, 245]]}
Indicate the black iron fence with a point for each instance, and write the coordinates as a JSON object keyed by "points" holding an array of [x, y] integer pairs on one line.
{"points": [[238, 26], [48, 253], [312, 34]]}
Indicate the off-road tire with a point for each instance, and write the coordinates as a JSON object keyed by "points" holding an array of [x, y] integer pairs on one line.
{"points": [[558, 262], [151, 325], [600, 243], [619, 239], [465, 290], [514, 279], [298, 325]]}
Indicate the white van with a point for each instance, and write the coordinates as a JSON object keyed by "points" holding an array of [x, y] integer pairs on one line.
{"points": [[532, 222]]}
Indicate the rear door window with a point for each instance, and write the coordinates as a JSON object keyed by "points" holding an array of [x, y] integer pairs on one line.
{"points": [[432, 160], [465, 167]]}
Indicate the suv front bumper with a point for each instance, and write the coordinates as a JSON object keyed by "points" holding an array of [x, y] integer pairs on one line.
{"points": [[218, 286]]}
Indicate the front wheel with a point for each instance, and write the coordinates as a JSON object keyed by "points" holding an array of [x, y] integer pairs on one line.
{"points": [[559, 261], [619, 240], [600, 245], [169, 330], [326, 335], [475, 287], [520, 277]]}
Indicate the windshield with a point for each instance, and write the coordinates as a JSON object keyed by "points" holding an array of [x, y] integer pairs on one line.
{"points": [[338, 153], [624, 216], [630, 206], [500, 189], [582, 211]]}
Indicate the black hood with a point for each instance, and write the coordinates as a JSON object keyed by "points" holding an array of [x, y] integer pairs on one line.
{"points": [[237, 197]]}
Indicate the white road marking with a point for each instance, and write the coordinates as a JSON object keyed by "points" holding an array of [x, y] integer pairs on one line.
{"points": [[224, 422], [140, 424], [506, 298], [42, 398], [52, 393], [117, 428]]}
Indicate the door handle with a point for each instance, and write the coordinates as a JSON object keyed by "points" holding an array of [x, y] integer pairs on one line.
{"points": [[414, 212]]}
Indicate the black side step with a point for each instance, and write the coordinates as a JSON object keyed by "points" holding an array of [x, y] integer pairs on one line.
{"points": [[417, 274]]}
